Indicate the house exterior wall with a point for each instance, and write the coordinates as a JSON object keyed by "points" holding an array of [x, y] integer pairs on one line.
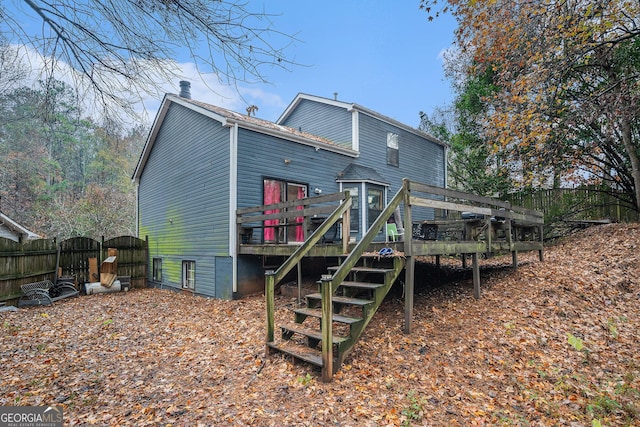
{"points": [[420, 160], [328, 121], [8, 234], [317, 168], [263, 156], [183, 200]]}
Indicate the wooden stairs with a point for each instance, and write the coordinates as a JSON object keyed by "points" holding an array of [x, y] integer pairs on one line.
{"points": [[353, 302]]}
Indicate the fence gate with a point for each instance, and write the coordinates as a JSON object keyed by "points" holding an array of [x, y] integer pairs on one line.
{"points": [[132, 258], [74, 258]]}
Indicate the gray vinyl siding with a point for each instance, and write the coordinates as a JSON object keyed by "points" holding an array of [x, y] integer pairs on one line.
{"points": [[184, 198], [420, 160], [328, 121], [308, 166]]}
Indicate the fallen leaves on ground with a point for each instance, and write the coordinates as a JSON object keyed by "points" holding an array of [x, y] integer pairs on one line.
{"points": [[553, 343]]}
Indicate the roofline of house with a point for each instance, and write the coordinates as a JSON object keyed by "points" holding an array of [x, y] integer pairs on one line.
{"points": [[294, 138], [357, 107], [17, 228], [226, 122], [369, 181]]}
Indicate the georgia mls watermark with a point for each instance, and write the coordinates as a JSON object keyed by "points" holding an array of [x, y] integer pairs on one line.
{"points": [[31, 416]]}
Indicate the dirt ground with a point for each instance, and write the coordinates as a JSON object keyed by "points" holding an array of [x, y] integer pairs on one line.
{"points": [[551, 344]]}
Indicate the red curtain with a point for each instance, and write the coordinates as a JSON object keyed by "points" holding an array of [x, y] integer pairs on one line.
{"points": [[271, 195]]}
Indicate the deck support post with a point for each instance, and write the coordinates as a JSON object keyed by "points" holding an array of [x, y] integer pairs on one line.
{"points": [[269, 293], [488, 238], [514, 259], [541, 251], [346, 230], [476, 275], [464, 261], [299, 282], [326, 291], [408, 294], [409, 272]]}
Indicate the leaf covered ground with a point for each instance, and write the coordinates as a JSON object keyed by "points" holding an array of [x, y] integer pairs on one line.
{"points": [[553, 343]]}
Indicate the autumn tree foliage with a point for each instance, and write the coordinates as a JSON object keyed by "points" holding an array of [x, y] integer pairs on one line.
{"points": [[473, 165], [569, 101]]}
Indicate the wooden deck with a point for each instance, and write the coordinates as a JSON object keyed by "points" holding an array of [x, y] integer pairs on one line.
{"points": [[436, 222]]}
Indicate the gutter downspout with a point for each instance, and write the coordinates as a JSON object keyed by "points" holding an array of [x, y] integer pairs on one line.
{"points": [[137, 213], [233, 203]]}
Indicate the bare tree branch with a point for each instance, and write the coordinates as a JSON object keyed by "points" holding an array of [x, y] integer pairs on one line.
{"points": [[116, 47]]}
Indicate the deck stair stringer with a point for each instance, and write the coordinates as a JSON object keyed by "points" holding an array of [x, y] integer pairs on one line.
{"points": [[348, 299], [354, 304]]}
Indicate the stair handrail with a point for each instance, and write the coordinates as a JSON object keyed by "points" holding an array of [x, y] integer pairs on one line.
{"points": [[366, 240], [329, 284], [313, 239], [273, 277]]}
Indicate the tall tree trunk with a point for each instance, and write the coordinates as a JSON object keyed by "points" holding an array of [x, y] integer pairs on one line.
{"points": [[632, 152]]}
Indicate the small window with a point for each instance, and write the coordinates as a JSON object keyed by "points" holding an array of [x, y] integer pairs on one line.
{"points": [[354, 214], [157, 269], [374, 204], [189, 275], [393, 156]]}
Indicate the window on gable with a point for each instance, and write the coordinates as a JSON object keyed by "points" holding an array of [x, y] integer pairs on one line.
{"points": [[393, 156], [157, 269]]}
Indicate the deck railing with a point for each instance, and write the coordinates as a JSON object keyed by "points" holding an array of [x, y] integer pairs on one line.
{"points": [[450, 203], [294, 213], [274, 277]]}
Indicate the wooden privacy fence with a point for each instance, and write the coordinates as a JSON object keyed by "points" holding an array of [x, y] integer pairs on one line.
{"points": [[74, 258], [583, 203], [133, 258], [32, 261], [37, 260]]}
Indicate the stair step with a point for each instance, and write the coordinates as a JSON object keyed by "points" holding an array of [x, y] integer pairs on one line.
{"points": [[318, 313], [311, 333], [362, 285], [343, 300], [364, 269], [303, 353]]}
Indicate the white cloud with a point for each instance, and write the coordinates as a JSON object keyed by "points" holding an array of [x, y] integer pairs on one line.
{"points": [[145, 101]]}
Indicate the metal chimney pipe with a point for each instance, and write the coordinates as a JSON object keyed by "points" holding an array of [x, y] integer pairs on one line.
{"points": [[185, 89]]}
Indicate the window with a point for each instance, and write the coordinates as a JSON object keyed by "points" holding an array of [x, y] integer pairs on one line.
{"points": [[354, 214], [374, 204], [157, 269], [393, 155], [189, 275]]}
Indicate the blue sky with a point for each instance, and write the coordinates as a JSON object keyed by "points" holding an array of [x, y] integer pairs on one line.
{"points": [[383, 55]]}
